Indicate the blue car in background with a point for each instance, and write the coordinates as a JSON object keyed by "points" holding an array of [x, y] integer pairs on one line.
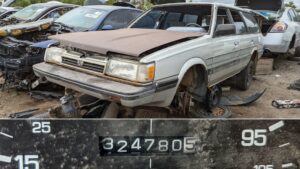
{"points": [[19, 53]]}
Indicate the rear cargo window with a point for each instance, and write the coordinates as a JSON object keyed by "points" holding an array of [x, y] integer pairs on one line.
{"points": [[251, 23]]}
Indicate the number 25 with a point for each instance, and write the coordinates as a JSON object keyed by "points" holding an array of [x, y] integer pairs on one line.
{"points": [[41, 127]]}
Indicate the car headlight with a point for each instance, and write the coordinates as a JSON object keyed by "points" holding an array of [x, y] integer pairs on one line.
{"points": [[54, 55], [130, 70]]}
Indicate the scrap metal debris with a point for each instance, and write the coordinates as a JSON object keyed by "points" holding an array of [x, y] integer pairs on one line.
{"points": [[45, 95], [286, 104], [23, 114], [295, 85], [237, 101]]}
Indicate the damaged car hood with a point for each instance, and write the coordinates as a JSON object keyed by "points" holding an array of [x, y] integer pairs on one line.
{"points": [[131, 42], [18, 29]]}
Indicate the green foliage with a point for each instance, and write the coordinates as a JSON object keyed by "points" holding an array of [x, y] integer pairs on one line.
{"points": [[139, 3], [23, 3], [291, 4]]}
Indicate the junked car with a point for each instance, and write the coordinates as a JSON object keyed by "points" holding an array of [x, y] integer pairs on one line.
{"points": [[19, 53], [7, 11], [34, 12], [281, 30], [174, 55]]}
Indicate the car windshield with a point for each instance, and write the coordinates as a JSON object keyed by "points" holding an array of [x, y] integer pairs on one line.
{"points": [[86, 18], [166, 17], [29, 12]]}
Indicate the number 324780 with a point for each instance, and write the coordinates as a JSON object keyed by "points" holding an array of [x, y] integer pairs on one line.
{"points": [[114, 146]]}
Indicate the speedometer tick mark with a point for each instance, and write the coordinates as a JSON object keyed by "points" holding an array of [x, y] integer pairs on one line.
{"points": [[5, 159], [6, 135], [284, 145], [276, 126]]}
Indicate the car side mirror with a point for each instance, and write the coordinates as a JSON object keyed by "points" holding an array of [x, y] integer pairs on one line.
{"points": [[225, 29], [107, 27]]}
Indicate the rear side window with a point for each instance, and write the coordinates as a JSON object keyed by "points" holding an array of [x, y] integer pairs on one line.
{"points": [[120, 18], [251, 23], [222, 18], [238, 22], [293, 15]]}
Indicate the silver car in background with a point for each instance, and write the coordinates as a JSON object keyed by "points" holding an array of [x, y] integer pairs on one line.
{"points": [[281, 30]]}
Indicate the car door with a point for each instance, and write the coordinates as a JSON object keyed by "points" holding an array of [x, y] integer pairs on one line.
{"points": [[248, 33], [224, 50]]}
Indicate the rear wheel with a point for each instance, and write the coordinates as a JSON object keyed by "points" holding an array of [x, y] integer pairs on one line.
{"points": [[246, 76]]}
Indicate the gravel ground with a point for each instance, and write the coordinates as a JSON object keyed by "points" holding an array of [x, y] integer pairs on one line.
{"points": [[276, 85]]}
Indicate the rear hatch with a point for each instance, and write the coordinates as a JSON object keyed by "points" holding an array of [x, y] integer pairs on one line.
{"points": [[261, 5]]}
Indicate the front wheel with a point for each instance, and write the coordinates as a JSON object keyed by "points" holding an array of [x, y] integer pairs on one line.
{"points": [[246, 76], [297, 51]]}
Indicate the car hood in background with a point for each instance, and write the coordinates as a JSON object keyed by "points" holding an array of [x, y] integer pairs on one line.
{"points": [[21, 28], [130, 42], [261, 5]]}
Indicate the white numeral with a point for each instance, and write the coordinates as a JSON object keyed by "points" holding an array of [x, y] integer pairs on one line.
{"points": [[163, 145], [254, 137], [41, 127], [176, 145], [136, 144], [121, 149], [108, 143], [263, 167], [151, 143], [27, 160], [190, 144]]}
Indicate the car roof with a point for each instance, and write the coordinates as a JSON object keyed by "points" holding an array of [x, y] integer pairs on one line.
{"points": [[54, 4], [109, 7], [9, 8], [202, 3]]}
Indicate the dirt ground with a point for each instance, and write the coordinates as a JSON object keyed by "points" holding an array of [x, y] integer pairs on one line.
{"points": [[276, 84]]}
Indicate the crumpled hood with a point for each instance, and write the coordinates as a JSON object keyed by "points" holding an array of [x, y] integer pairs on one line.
{"points": [[131, 42], [18, 29]]}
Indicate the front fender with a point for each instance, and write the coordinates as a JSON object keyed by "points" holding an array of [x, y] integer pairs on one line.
{"points": [[187, 65]]}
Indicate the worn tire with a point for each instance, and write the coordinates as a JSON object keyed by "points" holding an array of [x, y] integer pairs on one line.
{"points": [[297, 51], [246, 76]]}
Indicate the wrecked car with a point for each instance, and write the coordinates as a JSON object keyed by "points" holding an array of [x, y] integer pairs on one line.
{"points": [[36, 12], [7, 11], [20, 50], [174, 55], [282, 29]]}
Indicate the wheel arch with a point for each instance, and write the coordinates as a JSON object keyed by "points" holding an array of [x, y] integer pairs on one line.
{"points": [[194, 76]]}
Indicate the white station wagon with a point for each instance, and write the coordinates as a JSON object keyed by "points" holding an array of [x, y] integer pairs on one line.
{"points": [[171, 51]]}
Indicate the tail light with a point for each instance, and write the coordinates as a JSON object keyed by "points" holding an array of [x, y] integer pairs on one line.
{"points": [[279, 27]]}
